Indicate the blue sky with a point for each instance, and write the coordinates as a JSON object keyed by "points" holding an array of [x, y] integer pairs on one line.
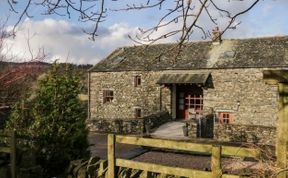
{"points": [[63, 38]]}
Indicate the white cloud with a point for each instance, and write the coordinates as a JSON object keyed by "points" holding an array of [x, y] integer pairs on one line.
{"points": [[62, 40]]}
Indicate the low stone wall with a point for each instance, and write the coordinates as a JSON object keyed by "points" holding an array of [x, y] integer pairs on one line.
{"points": [[132, 126], [237, 133], [192, 129], [245, 133], [155, 120], [135, 126]]}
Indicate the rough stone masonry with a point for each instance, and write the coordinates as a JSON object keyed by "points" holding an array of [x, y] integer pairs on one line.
{"points": [[235, 83]]}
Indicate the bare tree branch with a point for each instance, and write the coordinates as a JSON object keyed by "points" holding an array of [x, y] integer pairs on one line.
{"points": [[13, 76], [182, 15], [24, 12]]}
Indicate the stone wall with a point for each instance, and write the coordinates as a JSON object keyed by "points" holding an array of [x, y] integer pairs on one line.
{"points": [[192, 127], [155, 120], [258, 101], [237, 133], [245, 133], [149, 97], [241, 92], [119, 126], [129, 126], [225, 88]]}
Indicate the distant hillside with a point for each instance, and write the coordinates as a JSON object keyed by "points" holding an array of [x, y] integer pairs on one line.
{"points": [[17, 79]]}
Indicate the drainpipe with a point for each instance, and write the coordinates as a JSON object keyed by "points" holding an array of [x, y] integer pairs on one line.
{"points": [[89, 80], [173, 101], [160, 107], [200, 129]]}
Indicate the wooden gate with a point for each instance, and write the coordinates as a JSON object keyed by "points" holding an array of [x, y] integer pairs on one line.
{"points": [[215, 150]]}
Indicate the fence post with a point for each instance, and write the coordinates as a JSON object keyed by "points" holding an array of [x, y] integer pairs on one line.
{"points": [[111, 156], [282, 126], [216, 162], [13, 155]]}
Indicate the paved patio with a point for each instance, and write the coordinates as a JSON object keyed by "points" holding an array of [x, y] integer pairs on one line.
{"points": [[170, 130]]}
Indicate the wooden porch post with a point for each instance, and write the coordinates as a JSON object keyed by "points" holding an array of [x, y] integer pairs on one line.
{"points": [[282, 126], [280, 77], [174, 101]]}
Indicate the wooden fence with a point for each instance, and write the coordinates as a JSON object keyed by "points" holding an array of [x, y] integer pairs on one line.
{"points": [[9, 148], [215, 151]]}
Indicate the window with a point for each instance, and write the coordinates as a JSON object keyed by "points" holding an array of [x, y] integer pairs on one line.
{"points": [[137, 113], [195, 102], [108, 96], [225, 117], [137, 80]]}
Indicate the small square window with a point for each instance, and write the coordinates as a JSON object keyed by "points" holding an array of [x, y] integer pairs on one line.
{"points": [[137, 80], [138, 113], [108, 96], [225, 117]]}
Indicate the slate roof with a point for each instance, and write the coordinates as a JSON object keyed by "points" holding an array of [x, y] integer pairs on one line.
{"points": [[266, 52]]}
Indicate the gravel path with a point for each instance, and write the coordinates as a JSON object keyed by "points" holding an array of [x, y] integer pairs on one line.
{"points": [[229, 165], [98, 147], [200, 162]]}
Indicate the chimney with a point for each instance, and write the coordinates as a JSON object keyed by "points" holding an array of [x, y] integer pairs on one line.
{"points": [[216, 35]]}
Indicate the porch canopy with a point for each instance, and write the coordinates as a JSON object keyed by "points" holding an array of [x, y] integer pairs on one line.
{"points": [[275, 76], [197, 78]]}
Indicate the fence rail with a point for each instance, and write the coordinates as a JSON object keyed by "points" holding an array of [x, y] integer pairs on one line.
{"points": [[216, 152]]}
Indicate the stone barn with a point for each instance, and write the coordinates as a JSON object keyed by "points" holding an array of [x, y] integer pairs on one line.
{"points": [[141, 85]]}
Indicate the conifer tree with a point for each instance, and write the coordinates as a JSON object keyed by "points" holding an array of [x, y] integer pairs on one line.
{"points": [[56, 121]]}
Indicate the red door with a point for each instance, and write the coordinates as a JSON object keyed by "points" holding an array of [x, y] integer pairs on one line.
{"points": [[193, 104], [189, 99]]}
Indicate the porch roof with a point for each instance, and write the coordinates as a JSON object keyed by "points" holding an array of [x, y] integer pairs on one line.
{"points": [[198, 78]]}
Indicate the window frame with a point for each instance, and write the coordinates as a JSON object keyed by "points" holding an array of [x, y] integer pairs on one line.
{"points": [[225, 117], [195, 102], [137, 80], [137, 113], [107, 97]]}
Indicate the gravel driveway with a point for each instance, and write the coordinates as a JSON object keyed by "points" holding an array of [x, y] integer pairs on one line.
{"points": [[98, 147], [231, 165]]}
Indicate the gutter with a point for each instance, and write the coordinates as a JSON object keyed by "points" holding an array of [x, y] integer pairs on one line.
{"points": [[189, 69]]}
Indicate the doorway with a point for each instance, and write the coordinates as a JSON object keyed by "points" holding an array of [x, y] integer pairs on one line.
{"points": [[189, 100]]}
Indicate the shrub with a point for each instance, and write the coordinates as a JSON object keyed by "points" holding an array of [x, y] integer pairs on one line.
{"points": [[56, 121]]}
